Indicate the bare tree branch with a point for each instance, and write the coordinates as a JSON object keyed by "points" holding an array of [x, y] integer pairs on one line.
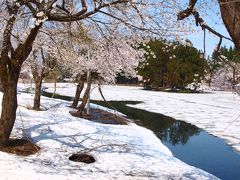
{"points": [[24, 49], [82, 14], [199, 21]]}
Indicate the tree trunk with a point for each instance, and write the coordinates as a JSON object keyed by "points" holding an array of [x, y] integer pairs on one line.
{"points": [[210, 78], [79, 89], [55, 87], [9, 72], [9, 107], [85, 96], [209, 82], [230, 11], [38, 75], [234, 78], [1, 88], [37, 95]]}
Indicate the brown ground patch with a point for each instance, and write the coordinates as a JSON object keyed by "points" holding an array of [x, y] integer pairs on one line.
{"points": [[101, 116], [107, 117], [21, 147], [85, 158]]}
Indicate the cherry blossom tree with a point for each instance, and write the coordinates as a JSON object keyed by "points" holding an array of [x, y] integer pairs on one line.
{"points": [[223, 78], [98, 60], [228, 76], [38, 65], [21, 21], [38, 69], [72, 45]]}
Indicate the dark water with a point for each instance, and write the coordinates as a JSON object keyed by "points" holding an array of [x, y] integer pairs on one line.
{"points": [[187, 142]]}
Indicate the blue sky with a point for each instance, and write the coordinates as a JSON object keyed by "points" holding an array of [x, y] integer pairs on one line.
{"points": [[211, 16], [211, 41]]}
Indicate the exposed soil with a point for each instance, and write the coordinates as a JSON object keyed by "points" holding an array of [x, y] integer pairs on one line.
{"points": [[21, 147], [85, 158], [101, 116]]}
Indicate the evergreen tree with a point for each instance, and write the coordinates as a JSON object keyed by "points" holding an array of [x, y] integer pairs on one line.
{"points": [[154, 67], [171, 65]]}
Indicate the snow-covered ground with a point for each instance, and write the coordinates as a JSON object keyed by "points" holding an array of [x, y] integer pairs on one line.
{"points": [[121, 151], [217, 112]]}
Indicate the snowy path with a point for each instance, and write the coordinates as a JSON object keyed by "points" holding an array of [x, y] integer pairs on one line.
{"points": [[217, 112], [137, 153]]}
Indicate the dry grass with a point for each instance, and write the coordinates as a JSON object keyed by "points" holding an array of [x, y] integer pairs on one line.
{"points": [[21, 147]]}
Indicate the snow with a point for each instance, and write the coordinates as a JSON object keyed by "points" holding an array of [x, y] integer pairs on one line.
{"points": [[217, 112], [121, 151]]}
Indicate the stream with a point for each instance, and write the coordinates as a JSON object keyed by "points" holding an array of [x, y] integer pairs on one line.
{"points": [[187, 142]]}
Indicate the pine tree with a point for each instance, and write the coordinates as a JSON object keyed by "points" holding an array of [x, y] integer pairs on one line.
{"points": [[171, 65]]}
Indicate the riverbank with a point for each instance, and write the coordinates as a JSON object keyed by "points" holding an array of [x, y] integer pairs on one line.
{"points": [[217, 112], [121, 151]]}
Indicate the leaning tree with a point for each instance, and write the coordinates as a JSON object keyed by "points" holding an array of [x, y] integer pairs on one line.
{"points": [[113, 55], [21, 22], [71, 51]]}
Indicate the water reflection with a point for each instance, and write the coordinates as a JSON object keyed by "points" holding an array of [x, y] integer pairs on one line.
{"points": [[187, 142], [57, 96], [167, 129]]}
